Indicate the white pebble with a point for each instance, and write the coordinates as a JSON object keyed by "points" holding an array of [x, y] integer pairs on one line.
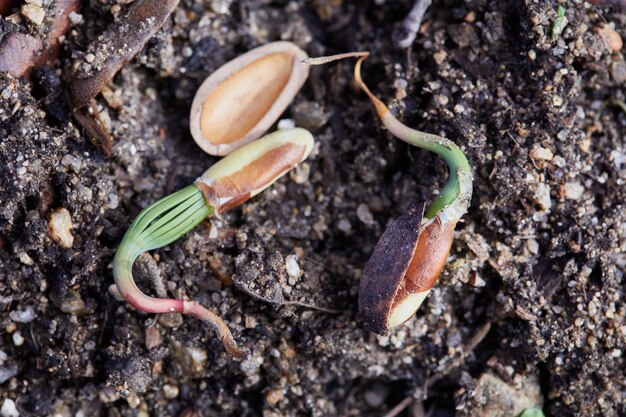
{"points": [[60, 227], [574, 190], [364, 214], [542, 196], [25, 316], [8, 409], [34, 13], [18, 340], [293, 269], [284, 124]]}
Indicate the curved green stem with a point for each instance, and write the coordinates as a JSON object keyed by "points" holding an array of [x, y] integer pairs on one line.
{"points": [[455, 197], [156, 226]]}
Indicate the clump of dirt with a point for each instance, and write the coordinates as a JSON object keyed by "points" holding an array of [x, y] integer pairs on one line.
{"points": [[532, 292]]}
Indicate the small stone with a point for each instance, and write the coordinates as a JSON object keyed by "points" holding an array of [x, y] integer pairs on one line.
{"points": [[284, 124], [90, 58], [293, 269], [73, 304], [441, 99], [250, 322], [25, 316], [221, 7], [60, 227], [26, 259], [115, 293], [541, 196], [612, 40], [8, 409], [75, 18], [195, 359], [275, 395], [573, 190], [170, 391], [532, 246], [108, 395], [541, 154], [376, 395], [18, 339], [34, 13], [72, 162], [153, 337], [364, 214], [557, 101], [301, 174], [344, 225]]}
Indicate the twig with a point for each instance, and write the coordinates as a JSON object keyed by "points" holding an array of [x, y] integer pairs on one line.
{"points": [[399, 407], [469, 347], [407, 30]]}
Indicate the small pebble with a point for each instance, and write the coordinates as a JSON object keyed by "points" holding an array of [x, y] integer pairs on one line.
{"points": [[195, 359], [18, 339], [170, 391], [72, 162], [60, 227], [364, 214], [300, 175], [532, 246], [612, 40], [34, 13], [25, 316], [541, 154], [284, 124], [153, 337], [574, 190], [75, 18], [344, 225], [275, 395], [8, 409], [541, 196], [293, 269]]}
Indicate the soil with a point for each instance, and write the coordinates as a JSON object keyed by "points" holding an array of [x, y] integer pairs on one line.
{"points": [[530, 301]]}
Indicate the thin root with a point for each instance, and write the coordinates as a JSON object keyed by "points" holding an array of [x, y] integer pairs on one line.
{"points": [[330, 58]]}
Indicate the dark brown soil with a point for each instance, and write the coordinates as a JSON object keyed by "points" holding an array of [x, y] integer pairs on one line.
{"points": [[538, 264]]}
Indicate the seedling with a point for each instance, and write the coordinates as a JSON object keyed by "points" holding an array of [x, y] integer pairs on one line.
{"points": [[559, 23], [228, 183], [411, 253]]}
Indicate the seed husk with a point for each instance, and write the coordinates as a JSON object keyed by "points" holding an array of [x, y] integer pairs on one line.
{"points": [[242, 99], [249, 170], [404, 266]]}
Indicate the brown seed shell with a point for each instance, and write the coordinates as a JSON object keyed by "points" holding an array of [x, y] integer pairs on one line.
{"points": [[384, 272], [238, 187], [242, 99], [407, 260]]}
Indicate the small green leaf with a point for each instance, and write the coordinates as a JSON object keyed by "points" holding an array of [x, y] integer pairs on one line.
{"points": [[532, 412]]}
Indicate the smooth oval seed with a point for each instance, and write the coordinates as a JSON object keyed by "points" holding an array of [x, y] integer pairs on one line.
{"points": [[242, 99]]}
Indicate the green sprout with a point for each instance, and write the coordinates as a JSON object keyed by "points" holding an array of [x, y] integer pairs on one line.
{"points": [[412, 252], [239, 176], [532, 412], [559, 23]]}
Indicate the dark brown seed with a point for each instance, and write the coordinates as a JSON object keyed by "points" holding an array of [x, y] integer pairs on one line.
{"points": [[386, 269], [404, 266]]}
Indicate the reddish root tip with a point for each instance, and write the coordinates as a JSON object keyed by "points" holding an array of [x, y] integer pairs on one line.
{"points": [[232, 349], [195, 309]]}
